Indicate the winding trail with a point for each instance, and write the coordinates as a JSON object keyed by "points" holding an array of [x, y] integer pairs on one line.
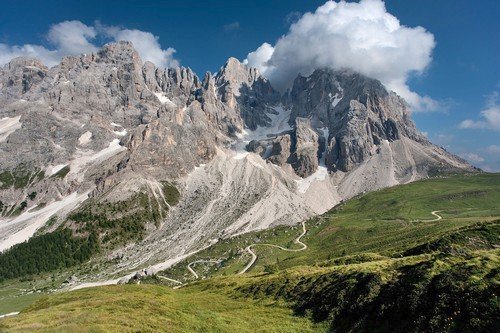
{"points": [[437, 217], [169, 279], [192, 271], [254, 256]]}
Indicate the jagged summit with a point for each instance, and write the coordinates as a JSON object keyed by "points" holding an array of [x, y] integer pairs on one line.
{"points": [[107, 128], [119, 52], [237, 73], [243, 88], [359, 112]]}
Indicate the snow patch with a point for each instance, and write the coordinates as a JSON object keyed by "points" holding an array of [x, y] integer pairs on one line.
{"points": [[84, 157], [279, 124], [113, 148], [51, 170], [85, 138], [164, 99], [304, 183], [121, 133], [24, 226], [9, 126], [337, 97]]}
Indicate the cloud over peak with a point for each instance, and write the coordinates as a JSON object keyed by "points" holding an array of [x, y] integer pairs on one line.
{"points": [[145, 43], [361, 36], [75, 37], [72, 37]]}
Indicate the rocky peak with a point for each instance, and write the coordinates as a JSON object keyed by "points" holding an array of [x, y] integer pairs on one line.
{"points": [[184, 78], [119, 53], [22, 62], [358, 111], [208, 81], [234, 74], [243, 88], [20, 74], [305, 147], [151, 75]]}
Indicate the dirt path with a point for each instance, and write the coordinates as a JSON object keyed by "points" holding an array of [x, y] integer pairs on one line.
{"points": [[192, 271], [437, 217], [169, 279], [9, 314], [254, 256], [249, 250]]}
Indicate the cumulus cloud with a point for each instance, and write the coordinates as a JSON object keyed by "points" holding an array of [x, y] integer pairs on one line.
{"points": [[489, 118], [75, 37], [72, 37], [68, 38], [145, 43], [259, 58], [9, 52], [361, 36]]}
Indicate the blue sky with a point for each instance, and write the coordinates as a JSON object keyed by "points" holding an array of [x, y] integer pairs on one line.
{"points": [[462, 77]]}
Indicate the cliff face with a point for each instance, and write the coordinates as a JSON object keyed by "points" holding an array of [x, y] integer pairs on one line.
{"points": [[103, 127], [351, 119], [358, 112]]}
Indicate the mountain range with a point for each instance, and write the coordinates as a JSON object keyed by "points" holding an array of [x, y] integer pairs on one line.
{"points": [[155, 164]]}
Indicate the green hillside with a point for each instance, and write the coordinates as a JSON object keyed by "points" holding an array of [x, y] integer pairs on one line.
{"points": [[418, 257], [149, 308], [381, 224]]}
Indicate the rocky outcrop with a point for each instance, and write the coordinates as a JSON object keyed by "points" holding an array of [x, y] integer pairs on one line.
{"points": [[19, 75], [358, 112], [305, 147], [281, 150]]}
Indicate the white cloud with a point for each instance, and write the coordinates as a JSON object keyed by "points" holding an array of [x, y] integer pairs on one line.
{"points": [[472, 157], [361, 36], [72, 37], [259, 58], [68, 38], [489, 117], [146, 44], [75, 37], [8, 52]]}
